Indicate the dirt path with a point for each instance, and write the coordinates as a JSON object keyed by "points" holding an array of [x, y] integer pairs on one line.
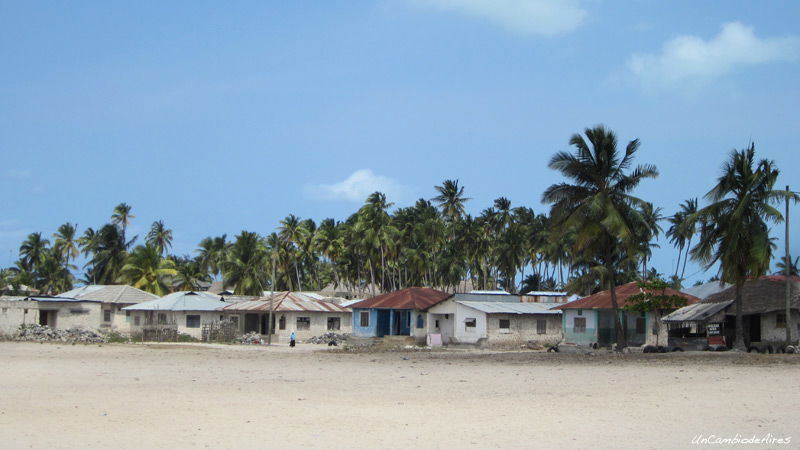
{"points": [[136, 396]]}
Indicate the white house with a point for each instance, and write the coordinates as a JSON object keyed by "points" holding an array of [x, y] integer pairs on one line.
{"points": [[494, 322], [56, 312], [307, 314], [113, 299], [183, 311]]}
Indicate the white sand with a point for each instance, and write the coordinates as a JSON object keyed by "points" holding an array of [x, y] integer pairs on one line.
{"points": [[168, 396]]}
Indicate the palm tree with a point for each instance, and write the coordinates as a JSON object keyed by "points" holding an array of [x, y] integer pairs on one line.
{"points": [[330, 245], [734, 231], [66, 244], [246, 266], [32, 251], [189, 274], [599, 207], [52, 275], [794, 268], [681, 231], [292, 233], [122, 216], [159, 237], [212, 254], [108, 255], [451, 199], [145, 269]]}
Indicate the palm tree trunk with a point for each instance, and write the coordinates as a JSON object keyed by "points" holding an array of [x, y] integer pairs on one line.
{"points": [[677, 266], [371, 276], [622, 339], [738, 343], [688, 246]]}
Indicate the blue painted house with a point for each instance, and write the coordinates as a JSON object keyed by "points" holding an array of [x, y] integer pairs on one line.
{"points": [[399, 313]]}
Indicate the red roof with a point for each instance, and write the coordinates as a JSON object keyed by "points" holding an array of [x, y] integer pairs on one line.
{"points": [[418, 298], [602, 299]]}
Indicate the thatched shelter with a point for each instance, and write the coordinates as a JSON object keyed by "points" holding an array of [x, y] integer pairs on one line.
{"points": [[763, 308]]}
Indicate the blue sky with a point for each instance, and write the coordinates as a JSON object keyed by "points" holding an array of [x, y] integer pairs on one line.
{"points": [[222, 116]]}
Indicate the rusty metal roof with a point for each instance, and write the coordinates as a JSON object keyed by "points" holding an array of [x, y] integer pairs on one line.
{"points": [[286, 302], [418, 298], [602, 299], [697, 312]]}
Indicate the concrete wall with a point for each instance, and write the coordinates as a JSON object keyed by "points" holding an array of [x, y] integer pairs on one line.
{"points": [[179, 318], [318, 325], [371, 329], [13, 314], [769, 331], [657, 332], [523, 328], [67, 314], [568, 320]]}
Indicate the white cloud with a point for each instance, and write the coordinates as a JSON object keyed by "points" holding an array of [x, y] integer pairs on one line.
{"points": [[694, 61], [527, 17], [17, 174], [357, 187]]}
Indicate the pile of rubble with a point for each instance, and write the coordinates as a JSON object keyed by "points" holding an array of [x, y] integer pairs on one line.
{"points": [[329, 338], [250, 338], [43, 333]]}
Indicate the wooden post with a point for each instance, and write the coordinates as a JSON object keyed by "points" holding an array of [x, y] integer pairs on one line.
{"points": [[788, 271], [271, 301]]}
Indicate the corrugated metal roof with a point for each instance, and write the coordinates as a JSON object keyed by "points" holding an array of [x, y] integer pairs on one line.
{"points": [[489, 292], [602, 299], [470, 297], [546, 294], [121, 294], [697, 312], [181, 301], [512, 308], [705, 290], [417, 298], [45, 298], [288, 301]]}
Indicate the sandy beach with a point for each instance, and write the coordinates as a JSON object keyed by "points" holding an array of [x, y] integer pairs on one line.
{"points": [[215, 396]]}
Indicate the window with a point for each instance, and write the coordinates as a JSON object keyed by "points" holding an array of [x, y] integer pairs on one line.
{"points": [[162, 318], [580, 312], [5, 310], [282, 323], [780, 320], [193, 321], [364, 319], [334, 323], [420, 321], [25, 311], [470, 322], [221, 317], [640, 325], [106, 315], [137, 320], [303, 323], [541, 326], [505, 324], [234, 319], [579, 325], [436, 323], [127, 313]]}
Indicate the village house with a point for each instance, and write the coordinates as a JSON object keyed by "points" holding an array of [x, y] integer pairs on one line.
{"points": [[113, 298], [713, 320], [56, 312], [305, 313], [493, 320], [590, 320], [184, 312], [399, 313]]}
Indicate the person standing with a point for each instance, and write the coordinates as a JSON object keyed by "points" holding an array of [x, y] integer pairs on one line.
{"points": [[292, 338]]}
